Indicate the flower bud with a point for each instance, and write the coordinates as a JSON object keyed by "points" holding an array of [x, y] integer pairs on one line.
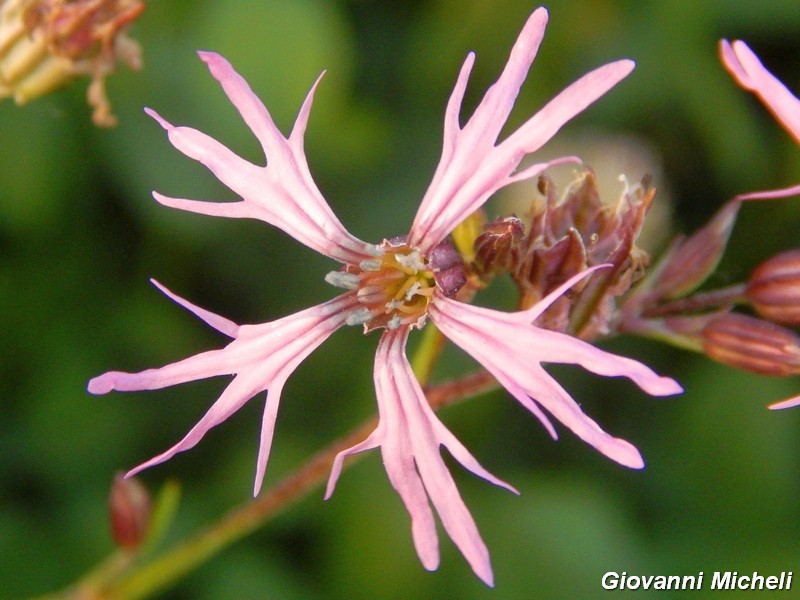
{"points": [[752, 344], [774, 288], [129, 511], [448, 268], [497, 249], [692, 260]]}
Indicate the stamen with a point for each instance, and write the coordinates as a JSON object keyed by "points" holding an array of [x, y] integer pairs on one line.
{"points": [[412, 290], [392, 305], [412, 261], [359, 316], [407, 285], [371, 294], [341, 279], [394, 322], [374, 250], [370, 265]]}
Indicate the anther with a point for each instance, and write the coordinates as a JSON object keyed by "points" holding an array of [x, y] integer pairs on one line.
{"points": [[412, 261], [394, 322], [359, 316], [371, 264], [373, 250], [340, 279], [412, 291]]}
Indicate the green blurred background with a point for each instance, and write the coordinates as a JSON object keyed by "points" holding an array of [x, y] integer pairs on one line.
{"points": [[80, 235]]}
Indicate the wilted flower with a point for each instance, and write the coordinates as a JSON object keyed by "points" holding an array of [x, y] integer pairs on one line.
{"points": [[748, 71], [395, 286], [45, 43]]}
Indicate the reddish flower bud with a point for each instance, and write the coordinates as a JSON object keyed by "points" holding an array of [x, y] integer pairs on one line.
{"points": [[692, 260], [448, 268], [774, 288], [752, 344], [129, 511], [497, 249]]}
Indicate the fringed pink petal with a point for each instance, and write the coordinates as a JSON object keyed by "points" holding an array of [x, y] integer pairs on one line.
{"points": [[751, 74], [221, 324], [238, 392], [410, 436], [472, 166], [397, 389], [793, 190], [510, 347], [788, 403], [570, 102], [268, 419], [260, 356], [282, 193], [371, 442]]}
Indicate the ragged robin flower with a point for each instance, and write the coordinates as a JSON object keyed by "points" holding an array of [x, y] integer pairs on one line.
{"points": [[750, 73], [395, 286]]}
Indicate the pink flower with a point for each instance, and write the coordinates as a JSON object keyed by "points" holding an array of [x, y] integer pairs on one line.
{"points": [[395, 286], [748, 71]]}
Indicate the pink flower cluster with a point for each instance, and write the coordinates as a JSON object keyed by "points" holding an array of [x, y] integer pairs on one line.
{"points": [[395, 286]]}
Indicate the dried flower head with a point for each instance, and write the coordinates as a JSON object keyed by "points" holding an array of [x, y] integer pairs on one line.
{"points": [[45, 43], [563, 235]]}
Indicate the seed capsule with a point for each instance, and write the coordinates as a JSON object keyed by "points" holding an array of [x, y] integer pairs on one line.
{"points": [[752, 344], [774, 288]]}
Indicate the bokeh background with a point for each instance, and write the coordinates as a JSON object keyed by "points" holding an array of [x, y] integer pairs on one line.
{"points": [[80, 236]]}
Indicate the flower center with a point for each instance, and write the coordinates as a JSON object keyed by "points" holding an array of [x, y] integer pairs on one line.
{"points": [[393, 289]]}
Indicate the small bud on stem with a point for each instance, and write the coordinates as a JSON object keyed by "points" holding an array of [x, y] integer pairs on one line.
{"points": [[774, 288], [129, 510], [752, 344]]}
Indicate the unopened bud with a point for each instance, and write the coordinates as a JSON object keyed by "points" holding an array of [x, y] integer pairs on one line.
{"points": [[129, 510], [752, 344], [448, 268], [497, 249], [691, 261], [774, 288]]}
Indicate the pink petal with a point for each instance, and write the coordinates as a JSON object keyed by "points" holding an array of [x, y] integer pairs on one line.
{"points": [[789, 403], [748, 71], [510, 347], [221, 324], [771, 194], [261, 356], [282, 193], [410, 434], [472, 166]]}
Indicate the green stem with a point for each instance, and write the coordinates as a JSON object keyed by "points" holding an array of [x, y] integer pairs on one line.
{"points": [[168, 568], [173, 564], [125, 576]]}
